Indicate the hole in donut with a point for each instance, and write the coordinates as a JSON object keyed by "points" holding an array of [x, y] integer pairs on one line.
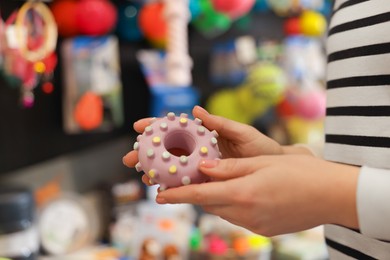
{"points": [[179, 143]]}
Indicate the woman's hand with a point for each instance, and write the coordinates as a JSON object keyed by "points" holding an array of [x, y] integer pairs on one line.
{"points": [[236, 140], [273, 195]]}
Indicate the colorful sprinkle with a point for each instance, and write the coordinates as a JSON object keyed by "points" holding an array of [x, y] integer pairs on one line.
{"points": [[186, 180], [148, 130], [156, 140], [138, 167], [183, 121], [201, 130], [215, 134], [165, 155], [214, 141], [136, 146], [150, 153], [172, 169], [204, 150], [171, 116], [152, 173], [152, 120], [163, 126], [183, 159], [198, 121], [183, 115], [139, 137]]}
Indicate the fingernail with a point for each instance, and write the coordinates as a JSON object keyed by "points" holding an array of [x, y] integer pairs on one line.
{"points": [[160, 200], [202, 109], [208, 163]]}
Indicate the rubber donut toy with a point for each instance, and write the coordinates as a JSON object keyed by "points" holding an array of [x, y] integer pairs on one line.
{"points": [[170, 149]]}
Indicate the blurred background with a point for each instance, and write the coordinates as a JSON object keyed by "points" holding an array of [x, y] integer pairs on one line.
{"points": [[76, 74]]}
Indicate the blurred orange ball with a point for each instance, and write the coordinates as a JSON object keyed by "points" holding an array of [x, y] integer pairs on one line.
{"points": [[64, 12], [152, 22], [88, 112]]}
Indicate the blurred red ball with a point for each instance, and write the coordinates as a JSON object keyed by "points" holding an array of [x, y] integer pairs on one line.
{"points": [[64, 12], [152, 22], [47, 87], [284, 108], [96, 17], [233, 8], [292, 26]]}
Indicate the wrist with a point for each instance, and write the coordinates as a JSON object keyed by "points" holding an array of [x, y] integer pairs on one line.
{"points": [[297, 149], [342, 194]]}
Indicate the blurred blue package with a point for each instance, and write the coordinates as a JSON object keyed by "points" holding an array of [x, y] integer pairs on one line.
{"points": [[165, 98]]}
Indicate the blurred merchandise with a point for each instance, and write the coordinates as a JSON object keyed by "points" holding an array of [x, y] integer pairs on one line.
{"points": [[216, 238], [103, 13], [233, 8], [154, 231], [164, 97], [153, 24], [64, 12], [262, 89], [67, 224], [28, 42], [74, 17], [92, 88], [95, 252], [128, 24], [305, 245], [18, 231]]}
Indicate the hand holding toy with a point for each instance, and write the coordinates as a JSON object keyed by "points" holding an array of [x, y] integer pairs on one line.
{"points": [[171, 148]]}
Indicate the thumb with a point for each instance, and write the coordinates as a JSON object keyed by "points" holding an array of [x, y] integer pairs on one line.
{"points": [[230, 168], [226, 128]]}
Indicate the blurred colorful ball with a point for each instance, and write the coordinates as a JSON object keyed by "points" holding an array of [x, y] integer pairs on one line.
{"points": [[312, 23], [285, 108], [311, 104], [292, 26], [284, 7], [233, 8], [96, 17], [128, 27], [152, 22], [195, 8], [64, 12], [261, 6], [210, 22]]}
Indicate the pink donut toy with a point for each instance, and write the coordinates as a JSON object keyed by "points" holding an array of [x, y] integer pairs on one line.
{"points": [[170, 149]]}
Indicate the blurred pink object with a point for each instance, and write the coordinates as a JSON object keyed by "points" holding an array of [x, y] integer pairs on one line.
{"points": [[311, 104], [233, 8]]}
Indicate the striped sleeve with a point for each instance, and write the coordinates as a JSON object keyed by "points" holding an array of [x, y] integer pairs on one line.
{"points": [[373, 202], [357, 125]]}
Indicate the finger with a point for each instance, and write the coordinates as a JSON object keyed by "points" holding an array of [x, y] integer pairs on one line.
{"points": [[225, 127], [146, 180], [211, 193], [130, 159], [232, 167], [140, 125]]}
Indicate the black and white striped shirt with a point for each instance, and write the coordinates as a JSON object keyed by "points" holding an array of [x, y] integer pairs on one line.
{"points": [[357, 125]]}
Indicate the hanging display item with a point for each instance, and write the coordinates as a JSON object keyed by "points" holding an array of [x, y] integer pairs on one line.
{"points": [[92, 90], [29, 40]]}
